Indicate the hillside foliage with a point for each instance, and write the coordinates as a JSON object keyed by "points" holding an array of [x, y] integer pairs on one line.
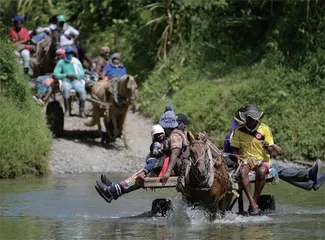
{"points": [[210, 57]]}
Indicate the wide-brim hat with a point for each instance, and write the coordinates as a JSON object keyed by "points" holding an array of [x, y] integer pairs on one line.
{"points": [[250, 111]]}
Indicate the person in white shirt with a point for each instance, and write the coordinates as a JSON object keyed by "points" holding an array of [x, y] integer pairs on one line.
{"points": [[42, 32], [68, 37], [68, 34]]}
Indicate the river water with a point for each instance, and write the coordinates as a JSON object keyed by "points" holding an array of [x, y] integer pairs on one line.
{"points": [[68, 207]]}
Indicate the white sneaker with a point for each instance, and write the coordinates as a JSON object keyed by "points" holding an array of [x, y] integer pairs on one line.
{"points": [[41, 102], [35, 98]]}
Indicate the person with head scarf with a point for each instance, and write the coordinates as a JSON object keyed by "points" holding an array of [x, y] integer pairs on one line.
{"points": [[114, 69], [47, 83], [19, 35], [102, 60], [70, 71]]}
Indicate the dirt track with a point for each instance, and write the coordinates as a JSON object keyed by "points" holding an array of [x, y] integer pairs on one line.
{"points": [[80, 149]]}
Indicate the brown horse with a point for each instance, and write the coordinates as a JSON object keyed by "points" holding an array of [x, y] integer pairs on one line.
{"points": [[120, 94], [207, 181], [101, 91], [45, 54], [124, 95]]}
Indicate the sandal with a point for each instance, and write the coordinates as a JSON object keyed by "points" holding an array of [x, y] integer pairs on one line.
{"points": [[253, 211]]}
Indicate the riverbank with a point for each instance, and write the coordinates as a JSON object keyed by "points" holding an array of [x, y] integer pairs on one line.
{"points": [[25, 140]]}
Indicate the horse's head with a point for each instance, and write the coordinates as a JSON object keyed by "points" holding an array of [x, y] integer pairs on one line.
{"points": [[131, 89], [199, 156]]}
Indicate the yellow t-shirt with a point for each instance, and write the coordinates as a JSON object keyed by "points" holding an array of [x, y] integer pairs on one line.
{"points": [[249, 143]]}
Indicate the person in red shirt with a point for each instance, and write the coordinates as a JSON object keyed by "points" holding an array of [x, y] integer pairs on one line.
{"points": [[20, 37]]}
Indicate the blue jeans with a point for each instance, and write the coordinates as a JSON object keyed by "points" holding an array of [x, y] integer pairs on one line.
{"points": [[296, 177], [37, 38], [150, 164], [76, 85]]}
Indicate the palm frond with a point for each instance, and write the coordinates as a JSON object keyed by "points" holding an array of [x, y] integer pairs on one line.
{"points": [[156, 20]]}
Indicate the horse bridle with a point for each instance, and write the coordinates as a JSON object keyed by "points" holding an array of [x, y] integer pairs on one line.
{"points": [[118, 99], [202, 158]]}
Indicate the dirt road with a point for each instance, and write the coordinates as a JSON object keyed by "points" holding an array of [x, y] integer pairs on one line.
{"points": [[80, 149]]}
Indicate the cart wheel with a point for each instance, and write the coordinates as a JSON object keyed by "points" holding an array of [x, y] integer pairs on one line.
{"points": [[161, 205], [266, 202], [55, 118]]}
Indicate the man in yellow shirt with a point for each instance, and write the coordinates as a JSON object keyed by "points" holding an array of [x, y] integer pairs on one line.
{"points": [[252, 143]]}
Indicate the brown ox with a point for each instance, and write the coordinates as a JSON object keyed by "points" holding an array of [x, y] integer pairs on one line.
{"points": [[120, 95], [213, 194]]}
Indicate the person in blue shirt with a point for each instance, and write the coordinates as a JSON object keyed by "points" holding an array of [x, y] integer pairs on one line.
{"points": [[235, 122], [114, 68]]}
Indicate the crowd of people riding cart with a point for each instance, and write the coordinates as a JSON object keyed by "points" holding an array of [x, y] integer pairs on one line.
{"points": [[58, 66], [205, 174]]}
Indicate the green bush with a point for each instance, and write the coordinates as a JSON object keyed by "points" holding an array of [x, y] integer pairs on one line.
{"points": [[292, 101], [25, 140]]}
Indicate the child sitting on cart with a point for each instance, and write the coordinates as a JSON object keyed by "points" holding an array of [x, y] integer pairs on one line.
{"points": [[158, 150], [45, 86]]}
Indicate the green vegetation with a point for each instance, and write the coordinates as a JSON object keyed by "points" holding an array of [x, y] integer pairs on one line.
{"points": [[210, 57], [262, 52], [25, 140]]}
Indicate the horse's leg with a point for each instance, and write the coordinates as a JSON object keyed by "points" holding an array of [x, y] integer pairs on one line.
{"points": [[122, 127], [115, 123], [108, 121]]}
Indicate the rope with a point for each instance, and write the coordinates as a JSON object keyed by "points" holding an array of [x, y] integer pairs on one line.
{"points": [[222, 140]]}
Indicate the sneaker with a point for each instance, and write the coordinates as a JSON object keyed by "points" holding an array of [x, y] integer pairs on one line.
{"points": [[41, 102], [319, 182], [314, 171], [103, 191], [35, 98], [105, 180]]}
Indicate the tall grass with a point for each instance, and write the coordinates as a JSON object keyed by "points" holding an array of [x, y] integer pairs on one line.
{"points": [[25, 140]]}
